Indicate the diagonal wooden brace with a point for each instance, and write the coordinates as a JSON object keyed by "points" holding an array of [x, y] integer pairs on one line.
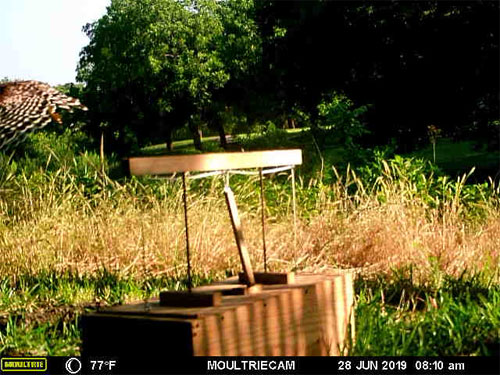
{"points": [[238, 235]]}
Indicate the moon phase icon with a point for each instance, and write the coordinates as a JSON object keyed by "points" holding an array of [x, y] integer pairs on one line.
{"points": [[73, 368]]}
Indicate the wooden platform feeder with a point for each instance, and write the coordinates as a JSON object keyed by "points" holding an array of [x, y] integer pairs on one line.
{"points": [[255, 313]]}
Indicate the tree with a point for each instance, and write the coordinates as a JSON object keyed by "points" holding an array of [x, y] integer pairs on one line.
{"points": [[240, 49], [150, 66], [417, 63]]}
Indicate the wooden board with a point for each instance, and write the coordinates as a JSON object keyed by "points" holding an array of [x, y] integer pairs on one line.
{"points": [[187, 299], [270, 277], [238, 236], [158, 165], [313, 316]]}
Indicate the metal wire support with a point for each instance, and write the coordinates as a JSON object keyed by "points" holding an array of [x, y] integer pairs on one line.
{"points": [[263, 217], [184, 198], [294, 207], [227, 172]]}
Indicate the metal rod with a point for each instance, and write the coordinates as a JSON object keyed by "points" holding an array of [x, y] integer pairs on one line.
{"points": [[294, 207], [277, 169], [206, 174], [184, 198], [234, 171], [264, 171], [263, 217]]}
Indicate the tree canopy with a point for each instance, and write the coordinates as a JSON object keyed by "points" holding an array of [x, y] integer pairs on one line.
{"points": [[153, 66]]}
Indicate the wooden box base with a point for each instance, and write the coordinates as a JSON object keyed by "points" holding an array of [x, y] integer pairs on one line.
{"points": [[312, 315]]}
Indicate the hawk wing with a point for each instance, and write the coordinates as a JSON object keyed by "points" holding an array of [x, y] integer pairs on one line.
{"points": [[29, 105]]}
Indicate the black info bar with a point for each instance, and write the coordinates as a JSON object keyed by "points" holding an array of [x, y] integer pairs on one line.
{"points": [[250, 365]]}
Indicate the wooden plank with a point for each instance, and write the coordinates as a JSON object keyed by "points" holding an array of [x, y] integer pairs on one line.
{"points": [[131, 336], [158, 165], [268, 278], [238, 235], [190, 299], [152, 309], [277, 325], [293, 320], [309, 317]]}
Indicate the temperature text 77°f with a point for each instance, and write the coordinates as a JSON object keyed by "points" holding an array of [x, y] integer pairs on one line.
{"points": [[102, 365]]}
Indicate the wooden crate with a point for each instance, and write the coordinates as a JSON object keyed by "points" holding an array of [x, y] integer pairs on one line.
{"points": [[311, 316]]}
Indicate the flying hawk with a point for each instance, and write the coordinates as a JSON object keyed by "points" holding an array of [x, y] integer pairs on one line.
{"points": [[29, 105]]}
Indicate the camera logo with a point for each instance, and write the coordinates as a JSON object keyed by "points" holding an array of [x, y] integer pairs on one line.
{"points": [[22, 364]]}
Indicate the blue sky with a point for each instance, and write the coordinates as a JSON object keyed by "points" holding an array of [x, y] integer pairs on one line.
{"points": [[42, 39]]}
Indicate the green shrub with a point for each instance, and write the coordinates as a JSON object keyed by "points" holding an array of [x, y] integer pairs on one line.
{"points": [[50, 151], [420, 180], [341, 120]]}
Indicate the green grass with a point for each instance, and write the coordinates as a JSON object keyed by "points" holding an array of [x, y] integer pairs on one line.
{"points": [[181, 146], [453, 158], [392, 208], [456, 158], [397, 317], [394, 314], [212, 143]]}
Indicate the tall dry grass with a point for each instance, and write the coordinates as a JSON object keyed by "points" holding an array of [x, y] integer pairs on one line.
{"points": [[133, 230]]}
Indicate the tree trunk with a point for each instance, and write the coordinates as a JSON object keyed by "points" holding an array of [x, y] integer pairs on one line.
{"points": [[168, 139], [222, 134], [197, 135], [162, 124], [291, 123]]}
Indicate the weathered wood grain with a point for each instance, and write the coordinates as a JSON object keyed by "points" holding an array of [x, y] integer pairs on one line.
{"points": [[312, 316], [190, 299], [238, 236], [160, 165]]}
